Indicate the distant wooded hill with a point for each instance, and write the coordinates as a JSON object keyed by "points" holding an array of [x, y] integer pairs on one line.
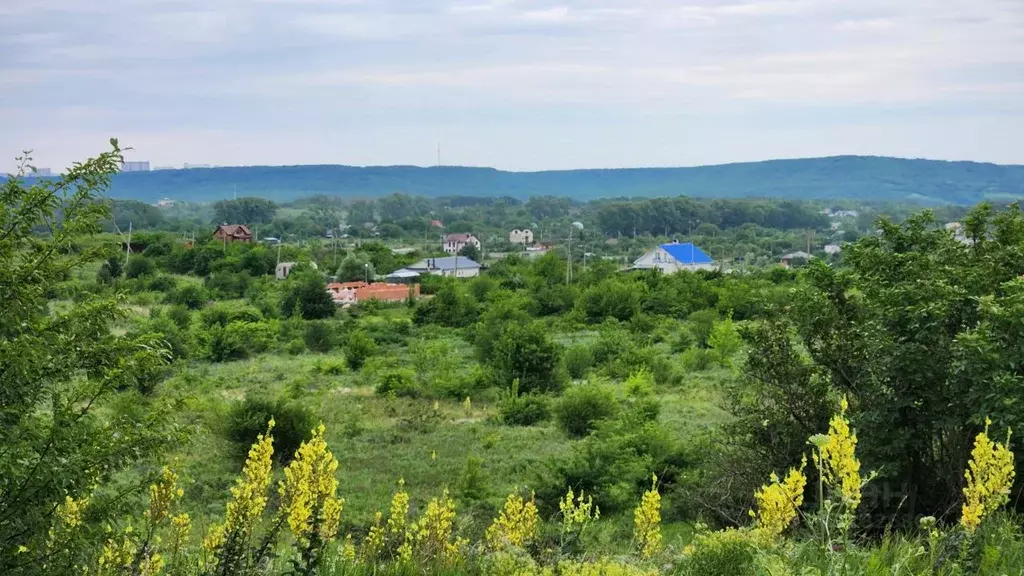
{"points": [[852, 177]]}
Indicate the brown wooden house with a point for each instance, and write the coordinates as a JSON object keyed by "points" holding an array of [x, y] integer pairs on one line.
{"points": [[233, 233]]}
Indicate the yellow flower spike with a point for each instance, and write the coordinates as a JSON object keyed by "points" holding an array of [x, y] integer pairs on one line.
{"points": [[309, 499], [399, 510], [374, 543], [989, 477], [515, 526], [838, 462], [162, 496], [433, 455], [779, 500], [433, 533], [248, 497], [577, 510], [348, 549], [647, 521]]}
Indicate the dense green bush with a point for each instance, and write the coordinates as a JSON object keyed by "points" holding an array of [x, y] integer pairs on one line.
{"points": [[239, 340], [191, 296], [451, 306], [139, 266], [702, 322], [319, 336], [698, 359], [306, 294], [226, 284], [578, 361], [358, 347], [161, 283], [583, 406], [724, 341], [612, 298], [293, 424], [399, 383], [523, 410], [224, 313], [180, 315], [525, 352]]}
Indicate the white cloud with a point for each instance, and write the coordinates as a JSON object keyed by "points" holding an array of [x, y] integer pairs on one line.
{"points": [[865, 25], [225, 64]]}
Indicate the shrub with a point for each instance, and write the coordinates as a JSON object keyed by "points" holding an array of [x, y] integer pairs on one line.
{"points": [[697, 359], [528, 354], [239, 340], [161, 283], [191, 296], [359, 347], [228, 284], [703, 321], [723, 553], [725, 340], [180, 316], [525, 410], [307, 294], [583, 406], [293, 424], [398, 382], [683, 340], [114, 267], [295, 347], [224, 313], [329, 367], [319, 337], [138, 266], [611, 298], [578, 360]]}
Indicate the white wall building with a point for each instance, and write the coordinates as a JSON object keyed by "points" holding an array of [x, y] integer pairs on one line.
{"points": [[524, 236], [675, 257], [454, 266], [453, 243]]}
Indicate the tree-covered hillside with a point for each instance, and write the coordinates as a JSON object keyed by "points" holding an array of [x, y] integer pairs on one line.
{"points": [[851, 177]]}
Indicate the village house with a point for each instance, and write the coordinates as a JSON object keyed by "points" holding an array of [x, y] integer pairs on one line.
{"points": [[675, 257], [284, 269], [795, 259], [454, 243], [455, 266], [233, 233], [524, 236], [348, 293]]}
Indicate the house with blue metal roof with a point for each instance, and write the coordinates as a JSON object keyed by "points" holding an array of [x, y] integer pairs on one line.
{"points": [[674, 257]]}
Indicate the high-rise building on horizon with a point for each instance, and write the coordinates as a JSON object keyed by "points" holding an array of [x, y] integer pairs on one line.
{"points": [[135, 166], [43, 172]]}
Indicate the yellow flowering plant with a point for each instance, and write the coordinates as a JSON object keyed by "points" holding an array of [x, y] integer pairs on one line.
{"points": [[230, 544], [309, 501], [515, 526], [647, 521], [989, 478], [577, 513], [433, 541], [779, 501]]}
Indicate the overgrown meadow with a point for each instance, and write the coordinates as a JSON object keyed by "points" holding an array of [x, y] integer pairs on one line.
{"points": [[178, 410]]}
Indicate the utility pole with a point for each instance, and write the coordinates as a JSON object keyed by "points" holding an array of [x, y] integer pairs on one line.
{"points": [[128, 246], [568, 262]]}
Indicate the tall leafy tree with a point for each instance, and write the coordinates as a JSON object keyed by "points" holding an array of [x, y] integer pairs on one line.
{"points": [[60, 368], [920, 332], [244, 211]]}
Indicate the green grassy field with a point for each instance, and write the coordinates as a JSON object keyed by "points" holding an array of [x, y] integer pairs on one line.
{"points": [[379, 439]]}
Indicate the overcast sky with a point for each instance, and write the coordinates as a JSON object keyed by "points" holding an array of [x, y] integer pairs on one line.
{"points": [[515, 84]]}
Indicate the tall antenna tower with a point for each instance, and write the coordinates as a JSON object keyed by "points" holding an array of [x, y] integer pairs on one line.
{"points": [[438, 152]]}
